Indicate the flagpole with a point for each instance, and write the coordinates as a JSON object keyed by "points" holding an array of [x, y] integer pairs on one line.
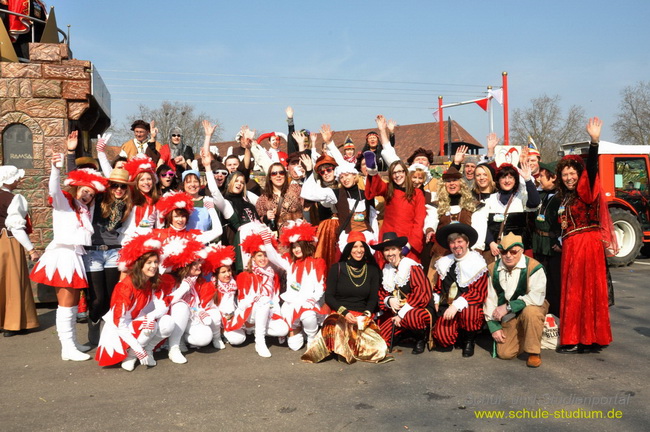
{"points": [[506, 128], [440, 127], [490, 113]]}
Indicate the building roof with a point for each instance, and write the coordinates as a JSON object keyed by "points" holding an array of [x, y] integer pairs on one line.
{"points": [[407, 139]]}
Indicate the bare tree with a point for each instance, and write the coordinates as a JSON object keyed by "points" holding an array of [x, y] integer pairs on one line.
{"points": [[544, 122], [167, 116], [632, 124]]}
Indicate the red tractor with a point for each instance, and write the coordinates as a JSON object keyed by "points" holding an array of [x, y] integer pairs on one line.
{"points": [[623, 172]]}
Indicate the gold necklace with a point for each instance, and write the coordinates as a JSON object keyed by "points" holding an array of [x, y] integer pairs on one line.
{"points": [[357, 274]]}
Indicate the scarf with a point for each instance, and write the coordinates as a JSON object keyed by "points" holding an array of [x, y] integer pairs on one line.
{"points": [[116, 214], [267, 276]]}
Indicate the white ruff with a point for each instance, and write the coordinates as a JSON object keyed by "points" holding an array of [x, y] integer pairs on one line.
{"points": [[468, 269], [398, 277]]}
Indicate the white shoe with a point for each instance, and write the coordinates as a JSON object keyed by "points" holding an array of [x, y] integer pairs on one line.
{"points": [[74, 355], [176, 356], [218, 343], [128, 364], [262, 350]]}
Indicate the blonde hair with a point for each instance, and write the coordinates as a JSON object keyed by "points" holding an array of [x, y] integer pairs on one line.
{"points": [[467, 201]]}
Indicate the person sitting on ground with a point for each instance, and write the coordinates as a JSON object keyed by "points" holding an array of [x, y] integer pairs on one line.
{"points": [[515, 307]]}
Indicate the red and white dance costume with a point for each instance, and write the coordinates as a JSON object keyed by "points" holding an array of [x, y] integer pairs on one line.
{"points": [[401, 216], [586, 230], [61, 265], [462, 283], [258, 293], [178, 252], [410, 286], [135, 324], [143, 218], [303, 297]]}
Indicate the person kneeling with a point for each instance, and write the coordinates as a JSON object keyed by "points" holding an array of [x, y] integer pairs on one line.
{"points": [[515, 307]]}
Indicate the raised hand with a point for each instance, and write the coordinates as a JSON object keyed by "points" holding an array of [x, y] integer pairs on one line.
{"points": [[299, 137], [313, 137], [306, 161], [208, 128], [460, 154], [72, 141], [153, 130], [381, 122], [593, 129], [525, 170], [492, 141], [289, 112], [391, 125], [326, 132]]}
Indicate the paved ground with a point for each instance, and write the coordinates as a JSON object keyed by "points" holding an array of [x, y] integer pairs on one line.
{"points": [[234, 389]]}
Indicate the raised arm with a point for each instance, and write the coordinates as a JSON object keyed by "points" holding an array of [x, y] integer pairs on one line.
{"points": [[104, 163], [594, 126]]}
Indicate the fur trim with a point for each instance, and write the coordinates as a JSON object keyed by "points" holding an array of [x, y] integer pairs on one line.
{"points": [[87, 177], [294, 231], [254, 243], [179, 251], [135, 248], [141, 163], [174, 200], [218, 256]]}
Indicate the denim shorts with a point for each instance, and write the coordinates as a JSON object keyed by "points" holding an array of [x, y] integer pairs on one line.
{"points": [[96, 261]]}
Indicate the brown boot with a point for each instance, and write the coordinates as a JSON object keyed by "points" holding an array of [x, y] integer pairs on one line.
{"points": [[534, 361]]}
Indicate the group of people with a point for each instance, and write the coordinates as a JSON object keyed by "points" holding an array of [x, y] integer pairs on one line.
{"points": [[326, 254]]}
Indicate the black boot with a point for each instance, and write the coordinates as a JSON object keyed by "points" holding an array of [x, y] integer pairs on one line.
{"points": [[468, 347], [93, 332], [420, 342]]}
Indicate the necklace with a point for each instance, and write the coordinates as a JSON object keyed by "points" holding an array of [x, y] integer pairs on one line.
{"points": [[357, 274]]}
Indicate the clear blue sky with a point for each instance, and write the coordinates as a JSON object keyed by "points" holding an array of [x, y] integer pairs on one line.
{"points": [[343, 62]]}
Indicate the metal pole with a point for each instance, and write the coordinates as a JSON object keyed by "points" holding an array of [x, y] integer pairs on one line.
{"points": [[440, 127], [506, 127]]}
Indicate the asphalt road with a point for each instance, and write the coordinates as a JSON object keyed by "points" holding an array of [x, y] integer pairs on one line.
{"points": [[236, 390]]}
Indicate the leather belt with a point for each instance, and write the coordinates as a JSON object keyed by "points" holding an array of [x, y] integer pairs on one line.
{"points": [[102, 247]]}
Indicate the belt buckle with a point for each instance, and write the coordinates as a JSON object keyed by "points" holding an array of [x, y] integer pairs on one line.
{"points": [[103, 248]]}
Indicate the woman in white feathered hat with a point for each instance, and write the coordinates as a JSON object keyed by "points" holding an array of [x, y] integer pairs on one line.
{"points": [[61, 266]]}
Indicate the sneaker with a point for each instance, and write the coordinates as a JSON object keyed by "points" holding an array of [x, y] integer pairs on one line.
{"points": [[176, 356], [262, 350]]}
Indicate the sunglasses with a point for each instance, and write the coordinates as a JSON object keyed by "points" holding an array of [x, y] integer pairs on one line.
{"points": [[278, 173], [512, 252], [168, 174], [222, 172], [118, 186], [325, 170], [176, 135]]}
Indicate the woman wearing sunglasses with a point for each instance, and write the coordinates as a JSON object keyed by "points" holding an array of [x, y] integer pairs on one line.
{"points": [[280, 201], [168, 179]]}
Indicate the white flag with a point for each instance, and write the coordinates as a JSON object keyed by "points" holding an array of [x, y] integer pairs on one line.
{"points": [[497, 95]]}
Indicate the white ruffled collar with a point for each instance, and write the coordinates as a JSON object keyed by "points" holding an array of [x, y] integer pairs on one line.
{"points": [[399, 276], [468, 268]]}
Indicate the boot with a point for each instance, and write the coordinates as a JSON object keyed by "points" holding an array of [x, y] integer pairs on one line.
{"points": [[217, 342], [94, 330], [80, 347], [261, 322], [128, 364], [468, 346], [420, 342], [310, 326], [150, 346], [65, 322]]}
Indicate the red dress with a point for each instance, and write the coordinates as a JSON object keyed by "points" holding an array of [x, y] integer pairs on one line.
{"points": [[584, 306], [403, 217]]}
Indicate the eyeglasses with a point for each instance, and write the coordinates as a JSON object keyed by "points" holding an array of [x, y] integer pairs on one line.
{"points": [[325, 170], [278, 173], [400, 171], [176, 135], [222, 172], [118, 186], [512, 252], [168, 174]]}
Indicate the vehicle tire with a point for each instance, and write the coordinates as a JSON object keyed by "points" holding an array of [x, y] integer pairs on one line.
{"points": [[629, 236]]}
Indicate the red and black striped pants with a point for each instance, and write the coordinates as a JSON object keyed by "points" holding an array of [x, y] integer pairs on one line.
{"points": [[445, 332], [415, 319]]}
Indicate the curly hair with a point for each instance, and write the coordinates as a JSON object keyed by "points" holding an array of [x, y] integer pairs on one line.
{"points": [[467, 201], [563, 192], [409, 190]]}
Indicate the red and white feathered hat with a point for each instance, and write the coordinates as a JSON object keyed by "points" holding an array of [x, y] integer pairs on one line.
{"points": [[180, 250], [254, 243], [174, 200], [271, 136], [135, 248], [217, 256], [87, 177], [141, 163], [294, 231]]}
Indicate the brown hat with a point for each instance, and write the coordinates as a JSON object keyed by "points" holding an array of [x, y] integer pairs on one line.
{"points": [[119, 175], [510, 241], [420, 152], [86, 162], [324, 160], [451, 174]]}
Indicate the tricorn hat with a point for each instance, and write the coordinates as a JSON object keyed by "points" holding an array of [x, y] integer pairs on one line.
{"points": [[452, 173]]}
